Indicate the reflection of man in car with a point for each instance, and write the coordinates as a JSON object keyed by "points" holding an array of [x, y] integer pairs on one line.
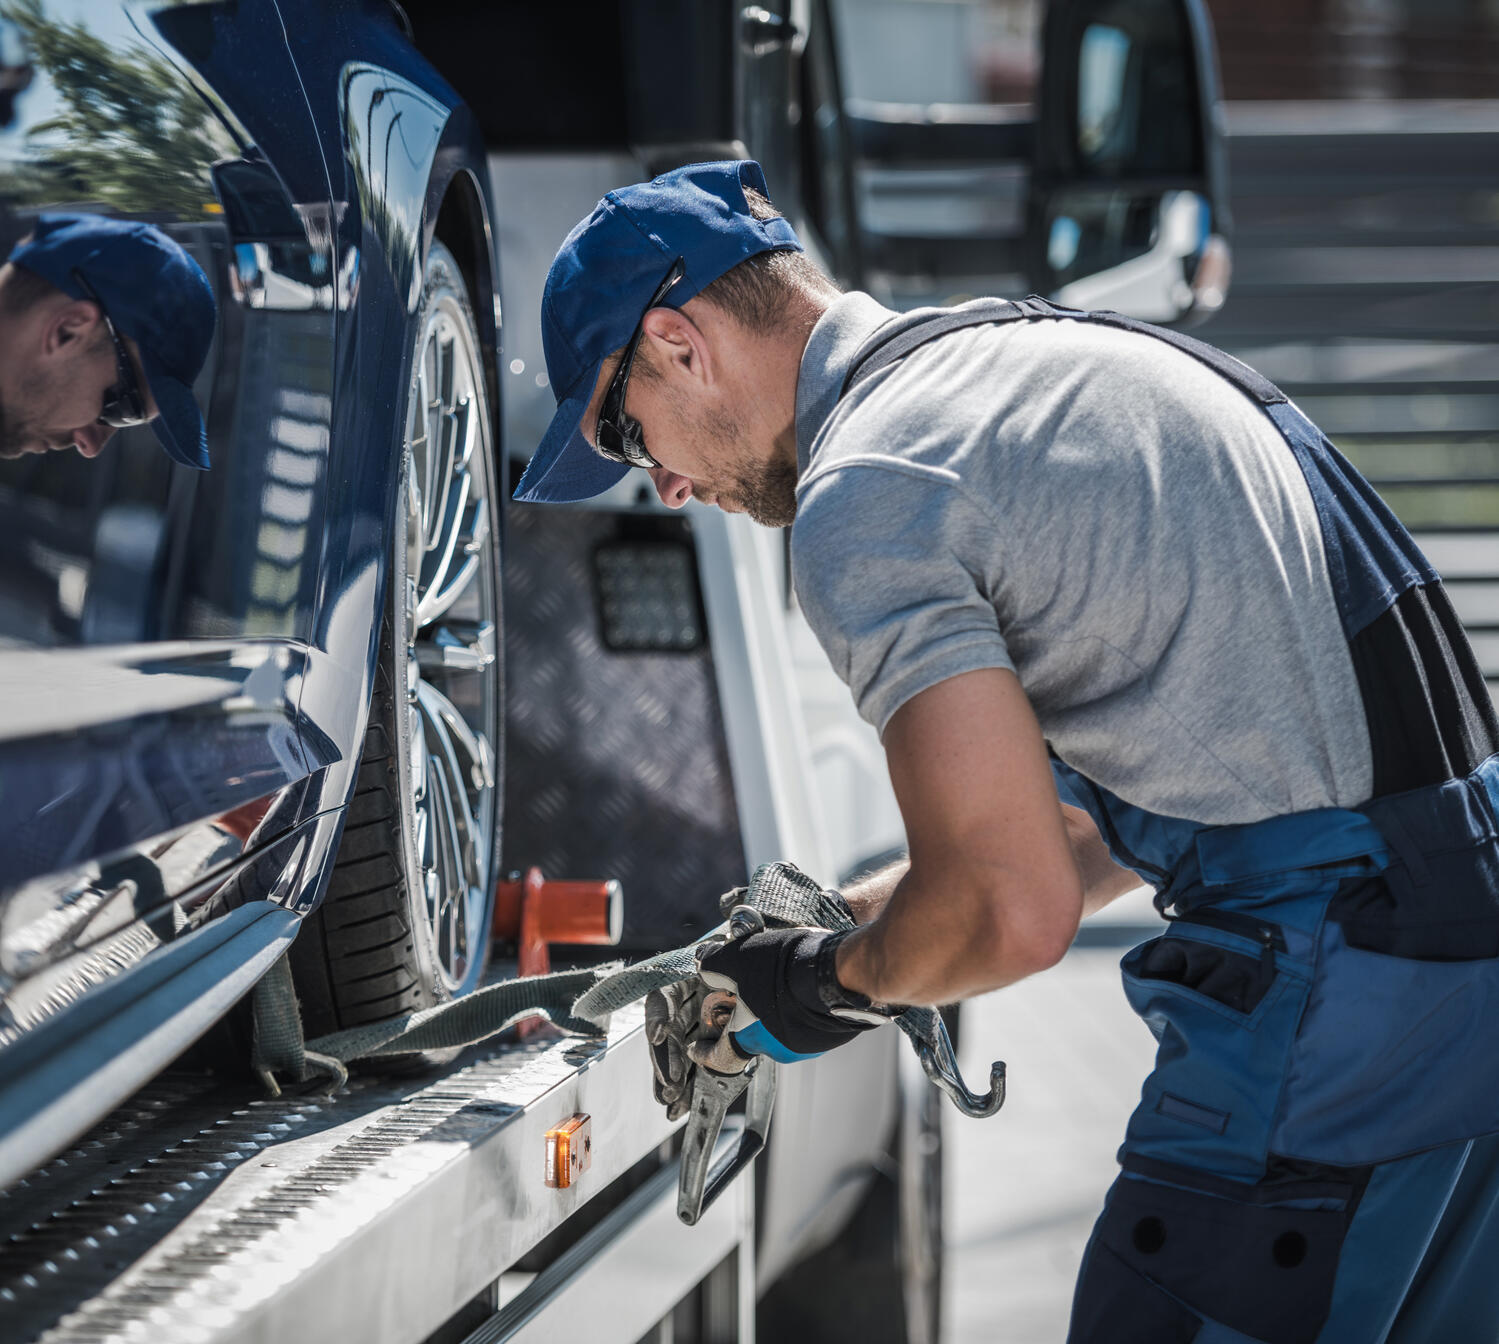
{"points": [[103, 323]]}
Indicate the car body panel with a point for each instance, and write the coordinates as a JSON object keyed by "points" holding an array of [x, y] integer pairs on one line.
{"points": [[186, 657], [155, 619]]}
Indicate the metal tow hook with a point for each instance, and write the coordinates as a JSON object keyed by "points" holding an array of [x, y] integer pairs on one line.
{"points": [[940, 1064], [712, 1096]]}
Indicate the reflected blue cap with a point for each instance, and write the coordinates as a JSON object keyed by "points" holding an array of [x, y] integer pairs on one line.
{"points": [[603, 276], [154, 293]]}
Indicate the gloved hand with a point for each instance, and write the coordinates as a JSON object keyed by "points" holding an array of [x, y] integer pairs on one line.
{"points": [[788, 979], [672, 1016], [685, 1026]]}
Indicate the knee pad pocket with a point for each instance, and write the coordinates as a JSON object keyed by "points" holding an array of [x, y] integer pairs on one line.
{"points": [[1234, 979], [1117, 1305], [1262, 1270]]}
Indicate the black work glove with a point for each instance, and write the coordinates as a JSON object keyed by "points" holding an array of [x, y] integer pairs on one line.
{"points": [[787, 978]]}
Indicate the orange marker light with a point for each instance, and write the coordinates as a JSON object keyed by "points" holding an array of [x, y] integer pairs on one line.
{"points": [[569, 1151]]}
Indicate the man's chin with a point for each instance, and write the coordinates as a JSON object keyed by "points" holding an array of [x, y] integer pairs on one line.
{"points": [[768, 515]]}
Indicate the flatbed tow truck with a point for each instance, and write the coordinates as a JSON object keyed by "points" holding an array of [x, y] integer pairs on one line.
{"points": [[435, 1206], [527, 1188]]}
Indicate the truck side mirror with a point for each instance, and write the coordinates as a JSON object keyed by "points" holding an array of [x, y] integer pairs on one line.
{"points": [[1128, 193]]}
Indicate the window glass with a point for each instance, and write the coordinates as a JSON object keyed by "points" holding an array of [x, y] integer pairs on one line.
{"points": [[940, 51], [1101, 112], [939, 228]]}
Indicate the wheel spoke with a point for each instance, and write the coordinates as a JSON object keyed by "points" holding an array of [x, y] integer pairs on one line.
{"points": [[461, 424], [431, 405], [439, 588], [447, 878], [451, 557], [467, 646], [447, 735]]}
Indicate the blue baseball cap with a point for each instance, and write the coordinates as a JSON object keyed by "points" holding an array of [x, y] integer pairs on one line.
{"points": [[604, 275], [153, 292]]}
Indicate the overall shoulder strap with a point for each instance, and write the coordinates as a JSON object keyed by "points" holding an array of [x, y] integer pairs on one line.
{"points": [[1253, 384], [883, 348]]}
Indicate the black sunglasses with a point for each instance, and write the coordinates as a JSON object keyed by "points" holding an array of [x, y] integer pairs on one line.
{"points": [[124, 402], [618, 434]]}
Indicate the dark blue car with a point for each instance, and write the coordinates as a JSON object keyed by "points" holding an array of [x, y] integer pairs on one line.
{"points": [[228, 693]]}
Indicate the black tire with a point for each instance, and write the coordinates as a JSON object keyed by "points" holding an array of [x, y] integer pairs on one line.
{"points": [[386, 940], [880, 1280]]}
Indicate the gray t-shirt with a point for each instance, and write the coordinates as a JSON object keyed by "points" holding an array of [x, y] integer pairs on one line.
{"points": [[1105, 516]]}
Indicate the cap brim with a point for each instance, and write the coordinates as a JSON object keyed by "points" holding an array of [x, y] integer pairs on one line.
{"points": [[566, 467], [179, 423]]}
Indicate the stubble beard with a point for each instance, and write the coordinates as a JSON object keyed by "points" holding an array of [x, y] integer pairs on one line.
{"points": [[15, 434], [769, 495], [765, 491], [19, 435]]}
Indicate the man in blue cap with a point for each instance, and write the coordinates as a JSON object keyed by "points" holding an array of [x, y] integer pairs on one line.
{"points": [[103, 323], [1089, 578]]}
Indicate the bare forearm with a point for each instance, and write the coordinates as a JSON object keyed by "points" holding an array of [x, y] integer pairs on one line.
{"points": [[993, 891], [911, 958], [869, 896], [931, 945], [1103, 880]]}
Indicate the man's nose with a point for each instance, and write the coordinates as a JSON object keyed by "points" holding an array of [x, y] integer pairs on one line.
{"points": [[674, 490], [90, 440]]}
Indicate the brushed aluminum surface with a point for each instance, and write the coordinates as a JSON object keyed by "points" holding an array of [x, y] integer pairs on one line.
{"points": [[213, 1214]]}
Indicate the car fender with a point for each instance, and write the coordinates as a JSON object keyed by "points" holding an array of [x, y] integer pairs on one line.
{"points": [[412, 163]]}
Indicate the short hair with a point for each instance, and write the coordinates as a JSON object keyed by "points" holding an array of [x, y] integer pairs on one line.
{"points": [[23, 289], [757, 291]]}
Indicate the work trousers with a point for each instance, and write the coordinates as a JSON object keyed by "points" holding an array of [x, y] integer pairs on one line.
{"points": [[1313, 1159], [1420, 1264]]}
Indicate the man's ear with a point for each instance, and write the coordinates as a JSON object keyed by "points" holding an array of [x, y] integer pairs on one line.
{"points": [[678, 345], [76, 320]]}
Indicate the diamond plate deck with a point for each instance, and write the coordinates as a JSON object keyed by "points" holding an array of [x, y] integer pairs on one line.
{"points": [[617, 765]]}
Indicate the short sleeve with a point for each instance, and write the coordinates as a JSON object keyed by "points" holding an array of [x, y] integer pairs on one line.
{"points": [[885, 566]]}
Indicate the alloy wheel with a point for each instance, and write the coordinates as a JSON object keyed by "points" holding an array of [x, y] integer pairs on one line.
{"points": [[448, 566]]}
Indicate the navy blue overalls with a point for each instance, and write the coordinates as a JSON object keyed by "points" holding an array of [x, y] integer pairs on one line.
{"points": [[1326, 996]]}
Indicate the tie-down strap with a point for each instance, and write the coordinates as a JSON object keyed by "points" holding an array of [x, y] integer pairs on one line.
{"points": [[581, 1001], [784, 895]]}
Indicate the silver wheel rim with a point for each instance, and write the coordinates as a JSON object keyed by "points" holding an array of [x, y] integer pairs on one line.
{"points": [[449, 573]]}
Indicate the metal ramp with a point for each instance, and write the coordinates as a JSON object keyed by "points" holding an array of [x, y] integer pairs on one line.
{"points": [[401, 1210]]}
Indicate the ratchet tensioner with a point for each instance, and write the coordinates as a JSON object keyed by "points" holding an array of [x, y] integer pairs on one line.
{"points": [[713, 1094]]}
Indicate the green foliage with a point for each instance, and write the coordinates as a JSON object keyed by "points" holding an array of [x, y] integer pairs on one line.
{"points": [[134, 133]]}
